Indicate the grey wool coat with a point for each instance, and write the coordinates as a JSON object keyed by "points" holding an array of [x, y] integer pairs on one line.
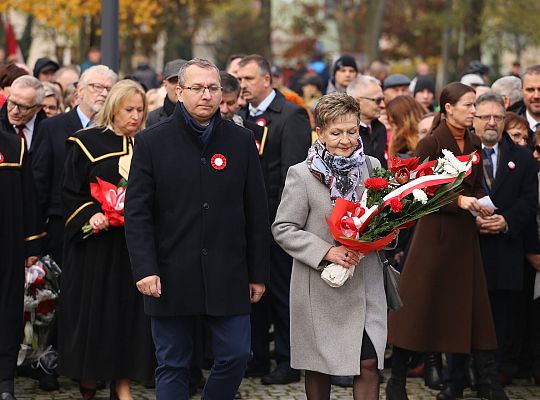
{"points": [[326, 323]]}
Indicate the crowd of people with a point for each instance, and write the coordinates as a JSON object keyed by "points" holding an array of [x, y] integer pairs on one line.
{"points": [[189, 222]]}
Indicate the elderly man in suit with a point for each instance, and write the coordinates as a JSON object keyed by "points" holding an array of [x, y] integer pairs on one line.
{"points": [[287, 143], [511, 182], [49, 153], [197, 232], [22, 113]]}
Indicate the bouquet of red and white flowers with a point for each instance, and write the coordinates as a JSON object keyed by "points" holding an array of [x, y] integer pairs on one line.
{"points": [[112, 200], [41, 292], [395, 199]]}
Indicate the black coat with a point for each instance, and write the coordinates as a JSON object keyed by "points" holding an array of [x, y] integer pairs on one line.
{"points": [[375, 142], [204, 231], [21, 235], [515, 193], [287, 143], [6, 126], [48, 159]]}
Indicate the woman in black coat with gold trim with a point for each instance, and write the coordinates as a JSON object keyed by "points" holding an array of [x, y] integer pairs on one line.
{"points": [[104, 334]]}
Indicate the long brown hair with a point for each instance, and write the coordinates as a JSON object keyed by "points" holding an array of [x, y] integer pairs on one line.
{"points": [[450, 95], [405, 112]]}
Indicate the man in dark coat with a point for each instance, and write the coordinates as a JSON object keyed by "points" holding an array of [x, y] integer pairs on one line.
{"points": [[170, 80], [511, 182], [21, 234], [50, 153], [369, 96], [197, 232], [287, 143], [21, 114]]}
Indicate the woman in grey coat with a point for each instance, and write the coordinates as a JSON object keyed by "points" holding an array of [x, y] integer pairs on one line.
{"points": [[334, 330]]}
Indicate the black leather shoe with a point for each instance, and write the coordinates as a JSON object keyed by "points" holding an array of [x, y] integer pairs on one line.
{"points": [[256, 370], [342, 381], [395, 390], [48, 382], [281, 376], [7, 396], [450, 392]]}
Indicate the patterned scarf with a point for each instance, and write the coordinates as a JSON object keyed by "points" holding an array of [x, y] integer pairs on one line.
{"points": [[341, 175]]}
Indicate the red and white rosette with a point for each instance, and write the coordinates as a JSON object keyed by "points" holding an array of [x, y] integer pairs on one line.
{"points": [[261, 122], [218, 161], [1, 158]]}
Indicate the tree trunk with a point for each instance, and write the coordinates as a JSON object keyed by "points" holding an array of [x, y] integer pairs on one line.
{"points": [[473, 30], [374, 24], [445, 48], [266, 28], [178, 35]]}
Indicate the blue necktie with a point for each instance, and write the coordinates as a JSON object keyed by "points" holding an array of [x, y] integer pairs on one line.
{"points": [[489, 152]]}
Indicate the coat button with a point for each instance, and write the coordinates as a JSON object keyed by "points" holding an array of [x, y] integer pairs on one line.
{"points": [[206, 206], [204, 251], [203, 161]]}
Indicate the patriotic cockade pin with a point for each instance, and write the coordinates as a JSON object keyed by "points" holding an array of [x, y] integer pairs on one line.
{"points": [[1, 158], [218, 161], [261, 122], [475, 158]]}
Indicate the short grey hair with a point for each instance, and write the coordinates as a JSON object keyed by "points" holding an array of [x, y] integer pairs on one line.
{"points": [[101, 70], [31, 82], [199, 62], [361, 82], [490, 97], [509, 86]]}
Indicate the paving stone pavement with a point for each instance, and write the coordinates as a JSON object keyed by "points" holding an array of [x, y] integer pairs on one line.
{"points": [[251, 389]]}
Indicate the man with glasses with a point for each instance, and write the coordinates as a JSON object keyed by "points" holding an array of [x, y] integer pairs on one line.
{"points": [[49, 155], [22, 114], [197, 231], [510, 180], [170, 81], [369, 96]]}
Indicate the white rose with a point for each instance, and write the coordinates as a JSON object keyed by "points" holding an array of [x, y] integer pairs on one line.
{"points": [[420, 195]]}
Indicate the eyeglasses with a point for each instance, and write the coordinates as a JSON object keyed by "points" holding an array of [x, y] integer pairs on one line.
{"points": [[537, 148], [198, 89], [22, 107], [376, 100], [98, 88], [487, 118]]}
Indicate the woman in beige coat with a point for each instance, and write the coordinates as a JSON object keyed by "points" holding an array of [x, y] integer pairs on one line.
{"points": [[334, 331]]}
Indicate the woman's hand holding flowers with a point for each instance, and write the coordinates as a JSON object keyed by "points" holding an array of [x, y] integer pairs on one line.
{"points": [[343, 256], [99, 221]]}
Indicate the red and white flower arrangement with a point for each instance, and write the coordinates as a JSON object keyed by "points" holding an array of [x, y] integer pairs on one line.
{"points": [[395, 199]]}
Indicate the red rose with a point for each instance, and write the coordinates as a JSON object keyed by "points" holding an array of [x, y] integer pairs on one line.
{"points": [[402, 175], [408, 163], [430, 190], [376, 183], [424, 171], [395, 205]]}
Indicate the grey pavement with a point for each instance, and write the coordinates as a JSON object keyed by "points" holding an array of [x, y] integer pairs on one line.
{"points": [[251, 389]]}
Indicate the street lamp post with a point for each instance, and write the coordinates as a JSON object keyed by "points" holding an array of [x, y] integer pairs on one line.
{"points": [[109, 37]]}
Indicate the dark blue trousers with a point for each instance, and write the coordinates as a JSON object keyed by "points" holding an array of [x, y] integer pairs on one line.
{"points": [[174, 346]]}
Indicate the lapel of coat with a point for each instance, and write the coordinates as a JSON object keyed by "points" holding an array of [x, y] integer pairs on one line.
{"points": [[273, 109], [504, 158]]}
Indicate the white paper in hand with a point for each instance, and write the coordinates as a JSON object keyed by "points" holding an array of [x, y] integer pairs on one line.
{"points": [[486, 203]]}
